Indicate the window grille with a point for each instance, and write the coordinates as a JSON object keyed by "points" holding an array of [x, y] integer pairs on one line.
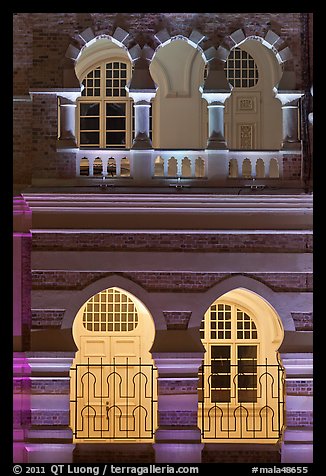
{"points": [[241, 69], [110, 311], [114, 401], [105, 122]]}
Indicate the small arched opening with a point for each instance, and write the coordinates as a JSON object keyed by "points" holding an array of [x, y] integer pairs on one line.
{"points": [[242, 374]]}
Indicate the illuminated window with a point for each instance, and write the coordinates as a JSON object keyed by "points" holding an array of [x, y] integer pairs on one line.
{"points": [[241, 69], [230, 336], [105, 108], [110, 311]]}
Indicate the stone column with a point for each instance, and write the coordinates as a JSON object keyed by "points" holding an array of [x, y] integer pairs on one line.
{"points": [[290, 115], [215, 101], [178, 355], [297, 445], [142, 103], [67, 111], [141, 89], [215, 91]]}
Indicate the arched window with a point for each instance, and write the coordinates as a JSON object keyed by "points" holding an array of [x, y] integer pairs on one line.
{"points": [[246, 168], [98, 166], [104, 107], [273, 169], [186, 167], [260, 168], [233, 168], [241, 69], [112, 167], [84, 167], [240, 381], [172, 167], [230, 337], [125, 167], [199, 167]]}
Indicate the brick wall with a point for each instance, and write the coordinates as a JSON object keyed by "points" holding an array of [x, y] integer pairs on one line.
{"points": [[114, 453], [51, 34], [238, 455], [291, 166], [22, 143], [22, 53], [269, 242], [299, 387], [299, 419], [21, 392], [47, 385], [46, 162], [303, 321], [40, 44], [168, 387], [26, 285], [165, 281], [50, 417], [176, 319], [47, 318]]}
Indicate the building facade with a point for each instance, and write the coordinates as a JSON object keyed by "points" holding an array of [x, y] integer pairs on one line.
{"points": [[162, 237]]}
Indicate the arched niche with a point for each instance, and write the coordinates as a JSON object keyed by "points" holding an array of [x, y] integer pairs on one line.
{"points": [[176, 68], [256, 108]]}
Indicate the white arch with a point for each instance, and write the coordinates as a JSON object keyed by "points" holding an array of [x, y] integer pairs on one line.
{"points": [[80, 297], [256, 291], [97, 50], [180, 37]]}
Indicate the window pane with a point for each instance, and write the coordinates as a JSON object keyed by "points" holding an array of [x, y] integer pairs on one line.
{"points": [[247, 366], [220, 351], [247, 381], [116, 124], [90, 123], [247, 396], [220, 396], [91, 138], [222, 366], [115, 109], [220, 381], [117, 138], [247, 351], [89, 109]]}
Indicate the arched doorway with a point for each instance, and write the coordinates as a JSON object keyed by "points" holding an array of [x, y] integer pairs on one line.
{"points": [[241, 397], [113, 390]]}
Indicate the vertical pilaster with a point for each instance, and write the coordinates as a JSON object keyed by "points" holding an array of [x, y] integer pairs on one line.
{"points": [[49, 437], [215, 91], [67, 122], [297, 445], [290, 117], [22, 319], [141, 89], [21, 406], [178, 438]]}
